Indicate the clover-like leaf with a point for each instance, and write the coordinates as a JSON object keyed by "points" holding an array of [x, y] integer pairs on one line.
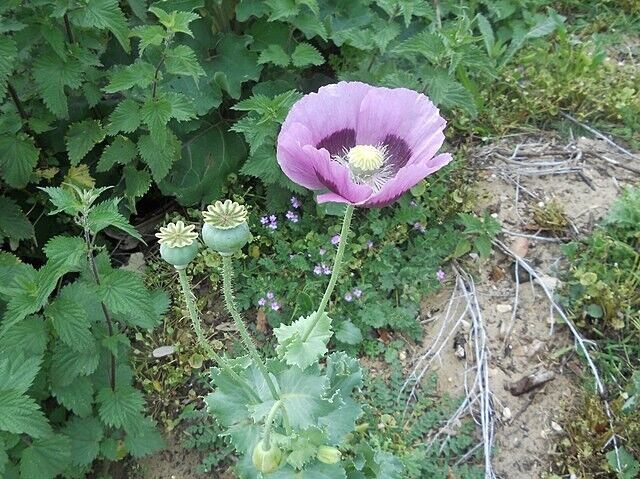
{"points": [[301, 352]]}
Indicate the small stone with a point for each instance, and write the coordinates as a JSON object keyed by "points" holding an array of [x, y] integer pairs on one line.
{"points": [[466, 325], [506, 414], [163, 351], [534, 348], [503, 308], [556, 427], [547, 281], [402, 355], [520, 246]]}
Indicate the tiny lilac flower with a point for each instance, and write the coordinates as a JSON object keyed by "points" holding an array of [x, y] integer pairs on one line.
{"points": [[335, 239], [264, 220], [369, 244], [357, 292], [275, 306], [273, 225], [420, 227], [270, 295], [362, 145], [317, 270], [295, 202], [273, 218], [291, 216], [322, 251], [348, 297], [326, 269], [262, 302], [440, 275]]}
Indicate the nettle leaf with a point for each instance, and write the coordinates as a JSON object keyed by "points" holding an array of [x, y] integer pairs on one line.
{"points": [[77, 396], [8, 52], [64, 199], [235, 64], [125, 117], [208, 156], [121, 150], [85, 434], [137, 182], [159, 156], [69, 252], [103, 14], [51, 75], [124, 293], [306, 54], [27, 337], [182, 108], [17, 372], [140, 74], [82, 137], [67, 364], [281, 9], [120, 408], [310, 25], [300, 352], [106, 214], [181, 60], [14, 224], [69, 319], [19, 414], [156, 113], [274, 54], [175, 21], [148, 35], [448, 93], [46, 458], [18, 158], [144, 439]]}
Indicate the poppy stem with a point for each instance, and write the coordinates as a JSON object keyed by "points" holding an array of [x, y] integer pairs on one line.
{"points": [[337, 263]]}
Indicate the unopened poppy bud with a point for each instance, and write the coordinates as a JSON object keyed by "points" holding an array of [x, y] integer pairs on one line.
{"points": [[178, 245], [328, 454], [225, 229], [266, 460]]}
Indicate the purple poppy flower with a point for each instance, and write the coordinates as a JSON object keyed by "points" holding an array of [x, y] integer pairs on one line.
{"points": [[335, 239], [360, 144], [295, 202], [348, 297], [440, 275], [262, 302]]}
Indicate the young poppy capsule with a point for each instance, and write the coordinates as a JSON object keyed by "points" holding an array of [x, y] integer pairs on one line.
{"points": [[178, 245], [266, 460], [225, 227], [328, 454]]}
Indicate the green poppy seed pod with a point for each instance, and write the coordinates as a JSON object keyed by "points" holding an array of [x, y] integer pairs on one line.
{"points": [[328, 454], [266, 460], [178, 245], [179, 257], [225, 227]]}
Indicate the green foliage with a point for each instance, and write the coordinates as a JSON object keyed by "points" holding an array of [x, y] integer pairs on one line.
{"points": [[65, 385]]}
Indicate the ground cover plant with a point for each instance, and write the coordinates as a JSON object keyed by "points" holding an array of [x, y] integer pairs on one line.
{"points": [[180, 104]]}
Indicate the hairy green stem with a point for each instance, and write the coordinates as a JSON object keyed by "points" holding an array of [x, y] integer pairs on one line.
{"points": [[195, 321], [337, 264], [227, 287], [268, 423]]}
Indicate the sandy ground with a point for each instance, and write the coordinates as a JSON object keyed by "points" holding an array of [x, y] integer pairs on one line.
{"points": [[578, 175]]}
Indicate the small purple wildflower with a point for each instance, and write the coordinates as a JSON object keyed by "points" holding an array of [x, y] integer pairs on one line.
{"points": [[264, 220], [440, 275], [262, 302], [295, 202], [270, 295], [270, 222], [420, 227], [357, 292], [275, 306], [335, 239], [291, 216], [348, 297], [317, 270], [369, 244], [322, 251], [325, 269], [273, 218]]}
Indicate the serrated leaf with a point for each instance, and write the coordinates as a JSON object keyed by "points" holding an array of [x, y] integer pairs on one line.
{"points": [[17, 372], [137, 182], [175, 21], [8, 52], [79, 176], [235, 64], [296, 350], [149, 35], [156, 113], [20, 414], [140, 74], [45, 458], [85, 434], [105, 215], [159, 156], [67, 364], [274, 54], [18, 158], [124, 293], [14, 224], [281, 9], [145, 439], [64, 200], [348, 333], [445, 91], [103, 14], [125, 117], [51, 75], [27, 337], [181, 60], [82, 137], [70, 321], [70, 252], [120, 408], [486, 31], [303, 396], [77, 396], [310, 25], [306, 54], [182, 108], [121, 150]]}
